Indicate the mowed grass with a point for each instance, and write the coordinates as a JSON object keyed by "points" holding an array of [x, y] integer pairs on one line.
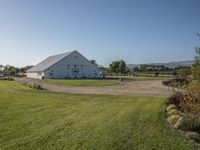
{"points": [[32, 119], [84, 82], [100, 82]]}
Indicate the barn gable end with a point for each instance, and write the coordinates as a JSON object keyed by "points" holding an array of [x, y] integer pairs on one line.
{"points": [[67, 65]]}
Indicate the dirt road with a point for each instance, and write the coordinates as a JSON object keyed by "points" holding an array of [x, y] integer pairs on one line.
{"points": [[143, 88]]}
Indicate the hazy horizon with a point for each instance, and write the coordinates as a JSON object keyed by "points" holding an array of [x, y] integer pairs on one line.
{"points": [[137, 31]]}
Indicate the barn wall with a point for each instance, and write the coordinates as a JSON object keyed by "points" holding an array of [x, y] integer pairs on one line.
{"points": [[73, 66], [36, 75]]}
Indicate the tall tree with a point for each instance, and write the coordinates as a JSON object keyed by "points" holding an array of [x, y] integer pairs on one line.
{"points": [[94, 62], [1, 69], [24, 69], [122, 66], [136, 69], [117, 66], [196, 65], [114, 66]]}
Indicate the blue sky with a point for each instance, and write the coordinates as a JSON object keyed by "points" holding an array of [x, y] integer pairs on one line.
{"points": [[138, 31]]}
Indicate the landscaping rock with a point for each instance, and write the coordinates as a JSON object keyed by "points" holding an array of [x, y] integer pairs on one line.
{"points": [[193, 136], [173, 112], [173, 119], [171, 107], [178, 123]]}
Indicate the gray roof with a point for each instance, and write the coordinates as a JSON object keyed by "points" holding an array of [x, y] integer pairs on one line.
{"points": [[45, 64]]}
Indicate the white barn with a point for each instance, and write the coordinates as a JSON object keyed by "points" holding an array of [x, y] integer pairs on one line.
{"points": [[67, 65]]}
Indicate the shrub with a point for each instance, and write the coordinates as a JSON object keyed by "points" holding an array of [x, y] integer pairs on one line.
{"points": [[30, 84], [190, 123], [196, 72], [166, 82], [171, 107], [176, 98], [190, 103], [6, 78], [177, 82], [173, 119], [36, 86], [187, 101]]}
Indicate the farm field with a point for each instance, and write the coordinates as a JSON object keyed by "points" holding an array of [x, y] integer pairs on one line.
{"points": [[34, 119]]}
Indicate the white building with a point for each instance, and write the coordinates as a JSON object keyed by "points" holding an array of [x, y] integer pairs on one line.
{"points": [[68, 65]]}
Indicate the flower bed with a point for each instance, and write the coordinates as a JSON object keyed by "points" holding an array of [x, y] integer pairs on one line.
{"points": [[183, 112], [30, 83]]}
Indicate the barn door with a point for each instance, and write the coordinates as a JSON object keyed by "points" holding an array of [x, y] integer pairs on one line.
{"points": [[75, 71]]}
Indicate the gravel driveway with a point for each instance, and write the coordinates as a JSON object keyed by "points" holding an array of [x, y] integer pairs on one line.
{"points": [[140, 88]]}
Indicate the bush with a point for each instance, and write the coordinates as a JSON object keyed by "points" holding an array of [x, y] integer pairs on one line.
{"points": [[196, 72], [6, 78], [190, 123], [36, 86], [171, 107], [30, 84], [190, 102], [173, 119], [176, 98], [187, 101], [177, 82]]}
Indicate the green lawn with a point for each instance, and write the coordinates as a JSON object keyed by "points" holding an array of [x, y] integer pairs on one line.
{"points": [[32, 119], [99, 82], [84, 82]]}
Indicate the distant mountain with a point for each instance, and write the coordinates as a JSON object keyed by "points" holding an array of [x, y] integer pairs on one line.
{"points": [[169, 65]]}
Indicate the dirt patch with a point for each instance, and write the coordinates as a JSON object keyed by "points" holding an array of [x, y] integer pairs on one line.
{"points": [[141, 88]]}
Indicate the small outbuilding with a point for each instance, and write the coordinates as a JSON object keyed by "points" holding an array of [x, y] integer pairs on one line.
{"points": [[67, 65]]}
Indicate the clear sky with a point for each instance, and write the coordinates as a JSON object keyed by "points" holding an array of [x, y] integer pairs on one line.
{"points": [[138, 31]]}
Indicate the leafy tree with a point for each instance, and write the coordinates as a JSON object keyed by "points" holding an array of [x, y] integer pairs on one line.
{"points": [[196, 65], [157, 74], [24, 69], [122, 66], [118, 66], [136, 69], [131, 71], [10, 70], [1, 69], [143, 67], [185, 72], [114, 67], [94, 62]]}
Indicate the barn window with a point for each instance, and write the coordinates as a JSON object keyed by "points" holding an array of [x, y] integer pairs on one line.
{"points": [[75, 56]]}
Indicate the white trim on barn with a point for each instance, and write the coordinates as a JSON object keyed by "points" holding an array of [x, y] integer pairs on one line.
{"points": [[68, 65]]}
